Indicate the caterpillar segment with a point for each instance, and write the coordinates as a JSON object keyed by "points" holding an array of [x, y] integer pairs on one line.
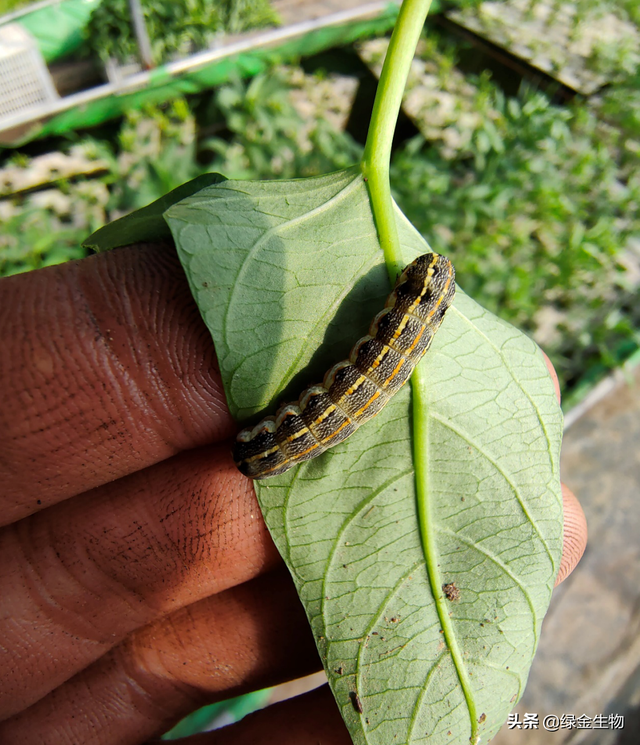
{"points": [[355, 390]]}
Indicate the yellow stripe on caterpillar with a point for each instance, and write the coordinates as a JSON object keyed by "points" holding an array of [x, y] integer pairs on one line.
{"points": [[356, 389]]}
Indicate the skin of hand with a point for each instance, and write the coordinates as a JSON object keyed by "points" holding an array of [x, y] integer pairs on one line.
{"points": [[137, 578]]}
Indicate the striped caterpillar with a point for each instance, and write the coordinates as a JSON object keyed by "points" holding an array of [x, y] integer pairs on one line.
{"points": [[356, 389]]}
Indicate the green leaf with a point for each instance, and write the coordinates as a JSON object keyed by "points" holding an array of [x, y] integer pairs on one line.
{"points": [[287, 275], [147, 224]]}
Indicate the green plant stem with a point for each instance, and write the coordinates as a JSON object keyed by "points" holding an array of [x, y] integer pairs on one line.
{"points": [[375, 168], [428, 537], [386, 107]]}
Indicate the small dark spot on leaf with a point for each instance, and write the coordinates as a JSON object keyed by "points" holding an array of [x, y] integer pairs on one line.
{"points": [[483, 716], [451, 592], [355, 700], [462, 499], [339, 670], [205, 284], [395, 619]]}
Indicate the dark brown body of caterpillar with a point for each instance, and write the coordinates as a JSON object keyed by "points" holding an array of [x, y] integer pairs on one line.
{"points": [[356, 389]]}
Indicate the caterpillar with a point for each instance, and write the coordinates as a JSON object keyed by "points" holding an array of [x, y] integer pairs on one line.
{"points": [[355, 390]]}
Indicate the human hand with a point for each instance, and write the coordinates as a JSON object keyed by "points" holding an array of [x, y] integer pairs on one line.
{"points": [[137, 578]]}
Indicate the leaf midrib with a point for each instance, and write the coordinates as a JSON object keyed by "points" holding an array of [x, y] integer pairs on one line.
{"points": [[427, 528]]}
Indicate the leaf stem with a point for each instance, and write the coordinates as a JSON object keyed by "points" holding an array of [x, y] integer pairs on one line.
{"points": [[375, 169], [428, 535], [386, 107]]}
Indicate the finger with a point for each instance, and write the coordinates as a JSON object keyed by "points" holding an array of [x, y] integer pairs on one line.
{"points": [[575, 534], [106, 368], [575, 522], [554, 375], [79, 577], [310, 719], [250, 637]]}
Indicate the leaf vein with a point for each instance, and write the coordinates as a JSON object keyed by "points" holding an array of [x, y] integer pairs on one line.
{"points": [[507, 477], [471, 544], [344, 192]]}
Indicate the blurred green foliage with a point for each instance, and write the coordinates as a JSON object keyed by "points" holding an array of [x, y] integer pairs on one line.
{"points": [[33, 238], [46, 227], [537, 215], [157, 149], [626, 9], [7, 6], [242, 15], [270, 139], [174, 28], [620, 105]]}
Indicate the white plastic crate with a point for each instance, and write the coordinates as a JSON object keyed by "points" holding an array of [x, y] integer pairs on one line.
{"points": [[25, 81]]}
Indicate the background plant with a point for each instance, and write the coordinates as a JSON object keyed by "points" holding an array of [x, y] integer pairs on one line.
{"points": [[537, 217], [158, 148], [175, 28], [45, 227], [6, 6], [267, 137]]}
